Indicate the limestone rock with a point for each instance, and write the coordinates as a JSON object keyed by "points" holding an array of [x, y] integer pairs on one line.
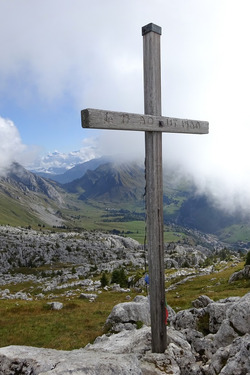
{"points": [[171, 314], [222, 346], [25, 360], [225, 335], [201, 345], [55, 305], [242, 274], [35, 248], [188, 318], [184, 256], [123, 353], [217, 313], [129, 312], [28, 360], [239, 315], [180, 350], [5, 294], [202, 301], [233, 359], [90, 297]]}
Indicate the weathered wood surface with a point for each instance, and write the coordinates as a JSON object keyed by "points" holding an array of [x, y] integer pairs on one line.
{"points": [[154, 187], [101, 119], [153, 124]]}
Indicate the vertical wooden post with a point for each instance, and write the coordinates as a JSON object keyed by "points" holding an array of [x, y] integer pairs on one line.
{"points": [[154, 186], [99, 119]]}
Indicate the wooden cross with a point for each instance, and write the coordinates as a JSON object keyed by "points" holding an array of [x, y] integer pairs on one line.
{"points": [[153, 124]]}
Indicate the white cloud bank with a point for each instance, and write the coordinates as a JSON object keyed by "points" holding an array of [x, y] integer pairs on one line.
{"points": [[58, 162], [10, 144], [12, 148], [90, 51]]}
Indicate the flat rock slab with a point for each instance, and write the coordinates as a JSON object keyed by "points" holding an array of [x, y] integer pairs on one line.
{"points": [[29, 360], [189, 352], [117, 354]]}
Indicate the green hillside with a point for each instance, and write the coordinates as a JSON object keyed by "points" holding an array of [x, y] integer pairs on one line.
{"points": [[15, 214], [111, 198]]}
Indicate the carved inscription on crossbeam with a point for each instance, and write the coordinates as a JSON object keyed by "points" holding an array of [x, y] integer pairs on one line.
{"points": [[101, 119]]}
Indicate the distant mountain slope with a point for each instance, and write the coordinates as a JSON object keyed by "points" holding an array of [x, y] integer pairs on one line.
{"points": [[27, 199], [76, 172], [111, 182], [200, 213], [30, 197], [27, 182]]}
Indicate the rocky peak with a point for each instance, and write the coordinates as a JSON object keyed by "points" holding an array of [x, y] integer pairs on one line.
{"points": [[25, 181]]}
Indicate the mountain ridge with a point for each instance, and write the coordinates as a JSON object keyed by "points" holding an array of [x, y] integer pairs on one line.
{"points": [[75, 172], [27, 198], [110, 181]]}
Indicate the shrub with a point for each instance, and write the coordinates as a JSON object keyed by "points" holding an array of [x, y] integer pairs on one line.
{"points": [[136, 278], [139, 324], [104, 279], [248, 259], [119, 277]]}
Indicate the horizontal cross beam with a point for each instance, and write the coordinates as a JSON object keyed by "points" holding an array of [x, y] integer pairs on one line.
{"points": [[101, 119]]}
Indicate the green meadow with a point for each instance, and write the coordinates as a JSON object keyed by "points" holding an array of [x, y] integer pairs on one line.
{"points": [[80, 321]]}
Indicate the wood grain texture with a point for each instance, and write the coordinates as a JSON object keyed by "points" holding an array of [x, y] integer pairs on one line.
{"points": [[104, 119], [153, 124], [154, 192]]}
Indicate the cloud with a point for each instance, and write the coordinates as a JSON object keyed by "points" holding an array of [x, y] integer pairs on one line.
{"points": [[217, 163], [58, 162], [206, 77], [89, 53], [57, 48], [11, 146]]}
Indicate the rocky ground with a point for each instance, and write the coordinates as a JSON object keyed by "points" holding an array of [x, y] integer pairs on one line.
{"points": [[23, 247], [64, 260], [209, 339]]}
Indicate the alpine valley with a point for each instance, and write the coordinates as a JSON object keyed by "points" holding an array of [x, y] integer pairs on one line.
{"points": [[73, 292], [105, 195]]}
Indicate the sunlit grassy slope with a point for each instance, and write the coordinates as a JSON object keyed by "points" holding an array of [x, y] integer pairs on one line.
{"points": [[15, 214]]}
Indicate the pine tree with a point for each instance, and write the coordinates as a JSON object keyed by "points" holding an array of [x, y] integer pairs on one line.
{"points": [[104, 279]]}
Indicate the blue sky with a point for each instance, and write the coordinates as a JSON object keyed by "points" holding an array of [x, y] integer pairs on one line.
{"points": [[61, 56]]}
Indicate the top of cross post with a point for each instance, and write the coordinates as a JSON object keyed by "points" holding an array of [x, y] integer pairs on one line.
{"points": [[151, 27]]}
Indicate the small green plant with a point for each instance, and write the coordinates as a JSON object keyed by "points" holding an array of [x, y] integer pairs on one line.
{"points": [[139, 324], [119, 277], [203, 324], [136, 278], [104, 279], [247, 263]]}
